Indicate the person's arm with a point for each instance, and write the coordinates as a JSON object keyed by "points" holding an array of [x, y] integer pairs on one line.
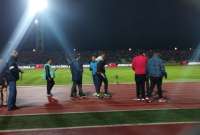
{"points": [[48, 75], [133, 64], [162, 67]]}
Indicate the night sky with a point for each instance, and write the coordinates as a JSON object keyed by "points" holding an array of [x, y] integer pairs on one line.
{"points": [[112, 24]]}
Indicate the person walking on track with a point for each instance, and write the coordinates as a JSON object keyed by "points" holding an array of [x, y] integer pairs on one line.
{"points": [[139, 66], [49, 74], [101, 74], [93, 69], [156, 72], [76, 68]]}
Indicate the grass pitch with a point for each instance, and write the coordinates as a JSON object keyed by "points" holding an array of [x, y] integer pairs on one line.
{"points": [[115, 75]]}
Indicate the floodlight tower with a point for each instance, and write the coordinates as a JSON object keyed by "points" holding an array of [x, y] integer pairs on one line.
{"points": [[35, 8]]}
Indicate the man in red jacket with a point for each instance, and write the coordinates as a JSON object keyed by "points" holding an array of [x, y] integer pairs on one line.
{"points": [[139, 65]]}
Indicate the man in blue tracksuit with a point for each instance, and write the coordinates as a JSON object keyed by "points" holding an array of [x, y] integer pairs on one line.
{"points": [[76, 68], [93, 69], [13, 76], [156, 72]]}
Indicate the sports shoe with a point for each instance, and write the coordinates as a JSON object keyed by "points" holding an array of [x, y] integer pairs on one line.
{"points": [[49, 95], [107, 94], [82, 95], [146, 98], [137, 99], [95, 94], [142, 99], [162, 100]]}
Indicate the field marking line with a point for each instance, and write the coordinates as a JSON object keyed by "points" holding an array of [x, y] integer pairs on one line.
{"points": [[90, 84], [109, 111], [99, 126]]}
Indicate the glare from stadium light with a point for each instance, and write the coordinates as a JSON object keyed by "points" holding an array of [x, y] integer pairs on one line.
{"points": [[34, 50], [36, 6], [130, 49], [36, 22], [175, 48]]}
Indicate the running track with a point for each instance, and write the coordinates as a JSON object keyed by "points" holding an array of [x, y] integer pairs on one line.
{"points": [[33, 100]]}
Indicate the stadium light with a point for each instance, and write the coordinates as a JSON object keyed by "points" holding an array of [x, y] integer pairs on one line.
{"points": [[36, 21], [36, 6]]}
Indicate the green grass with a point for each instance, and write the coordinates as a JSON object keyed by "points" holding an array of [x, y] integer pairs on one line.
{"points": [[98, 118], [126, 75]]}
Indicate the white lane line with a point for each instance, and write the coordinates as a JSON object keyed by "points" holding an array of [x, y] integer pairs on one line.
{"points": [[100, 126]]}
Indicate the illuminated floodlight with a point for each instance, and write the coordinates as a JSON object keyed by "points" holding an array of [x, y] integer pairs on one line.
{"points": [[175, 48], [36, 6], [36, 21]]}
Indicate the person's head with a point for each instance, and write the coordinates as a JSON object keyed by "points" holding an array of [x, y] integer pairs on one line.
{"points": [[140, 52], [93, 58], [77, 56], [49, 61], [156, 54], [14, 54], [103, 55]]}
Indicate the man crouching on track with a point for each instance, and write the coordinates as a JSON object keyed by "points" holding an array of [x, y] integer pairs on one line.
{"points": [[101, 73], [76, 68], [156, 72]]}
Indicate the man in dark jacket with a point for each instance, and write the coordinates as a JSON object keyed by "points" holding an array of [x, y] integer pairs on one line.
{"points": [[3, 84], [156, 72], [101, 73], [13, 77], [76, 68]]}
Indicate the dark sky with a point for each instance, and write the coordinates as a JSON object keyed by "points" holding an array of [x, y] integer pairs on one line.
{"points": [[112, 24]]}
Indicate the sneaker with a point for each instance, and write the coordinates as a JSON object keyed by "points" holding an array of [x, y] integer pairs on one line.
{"points": [[142, 99], [49, 95], [162, 100], [107, 95], [137, 99], [95, 94], [82, 95], [146, 98]]}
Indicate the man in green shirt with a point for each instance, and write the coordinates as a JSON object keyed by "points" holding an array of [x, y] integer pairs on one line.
{"points": [[49, 76]]}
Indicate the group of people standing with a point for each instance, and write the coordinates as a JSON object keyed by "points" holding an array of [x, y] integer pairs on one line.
{"points": [[148, 74], [97, 67]]}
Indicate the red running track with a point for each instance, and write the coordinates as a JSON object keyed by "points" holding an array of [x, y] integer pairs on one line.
{"points": [[33, 100]]}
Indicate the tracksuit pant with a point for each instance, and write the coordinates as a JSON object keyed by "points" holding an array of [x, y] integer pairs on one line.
{"points": [[95, 81], [3, 95], [140, 85], [74, 90], [50, 84], [104, 80], [12, 95], [156, 81]]}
